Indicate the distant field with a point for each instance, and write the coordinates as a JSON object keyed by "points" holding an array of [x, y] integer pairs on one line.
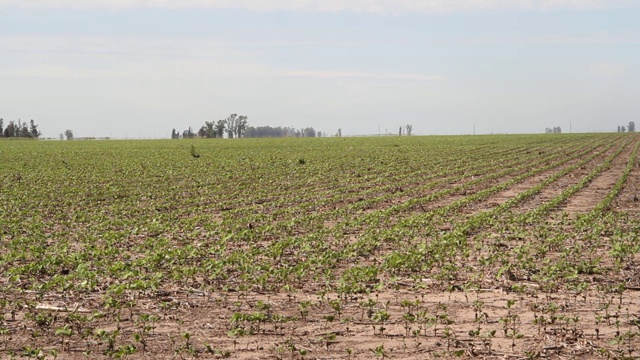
{"points": [[399, 247]]}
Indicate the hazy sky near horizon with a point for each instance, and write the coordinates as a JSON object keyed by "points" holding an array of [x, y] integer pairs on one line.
{"points": [[138, 68]]}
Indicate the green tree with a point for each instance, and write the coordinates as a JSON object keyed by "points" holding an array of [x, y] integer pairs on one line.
{"points": [[232, 123], [33, 129], [209, 129], [188, 134], [241, 125], [631, 127], [220, 127], [23, 130], [10, 130], [68, 134]]}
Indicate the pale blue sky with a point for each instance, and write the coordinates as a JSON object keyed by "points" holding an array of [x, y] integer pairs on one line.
{"points": [[140, 68]]}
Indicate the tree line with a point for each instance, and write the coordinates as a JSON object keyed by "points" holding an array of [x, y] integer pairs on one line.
{"points": [[554, 130], [19, 129], [275, 132], [233, 126], [237, 126], [631, 127]]}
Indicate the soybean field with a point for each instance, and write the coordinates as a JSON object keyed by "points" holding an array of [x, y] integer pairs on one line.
{"points": [[492, 246]]}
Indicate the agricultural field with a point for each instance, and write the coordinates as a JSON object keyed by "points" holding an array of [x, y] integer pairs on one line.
{"points": [[505, 246]]}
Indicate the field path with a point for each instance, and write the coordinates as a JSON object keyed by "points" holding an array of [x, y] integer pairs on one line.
{"points": [[502, 197], [550, 177], [571, 179], [592, 194], [629, 197]]}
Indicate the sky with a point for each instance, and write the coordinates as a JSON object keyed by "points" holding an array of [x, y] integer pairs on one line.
{"points": [[139, 68]]}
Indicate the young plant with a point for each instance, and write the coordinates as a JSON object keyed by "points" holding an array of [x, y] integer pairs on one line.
{"points": [[64, 332]]}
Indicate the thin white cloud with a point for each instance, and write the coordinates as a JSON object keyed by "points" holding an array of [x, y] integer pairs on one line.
{"points": [[509, 39], [110, 57], [609, 69], [328, 74], [57, 72], [219, 48], [197, 70], [358, 6], [130, 47], [589, 39]]}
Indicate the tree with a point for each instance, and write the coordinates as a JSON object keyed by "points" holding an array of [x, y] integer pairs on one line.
{"points": [[209, 129], [618, 128], [188, 134], [268, 132], [241, 125], [232, 123], [278, 132], [623, 129], [400, 131], [631, 127], [33, 130], [409, 128], [10, 130], [23, 130], [69, 134], [339, 132], [220, 127], [175, 134]]}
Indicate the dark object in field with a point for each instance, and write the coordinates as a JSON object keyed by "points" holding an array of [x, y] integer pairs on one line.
{"points": [[635, 198], [193, 152], [302, 161]]}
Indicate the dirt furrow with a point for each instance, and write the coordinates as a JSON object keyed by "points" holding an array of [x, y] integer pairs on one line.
{"points": [[503, 196], [524, 185], [591, 195], [629, 198], [555, 189]]}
